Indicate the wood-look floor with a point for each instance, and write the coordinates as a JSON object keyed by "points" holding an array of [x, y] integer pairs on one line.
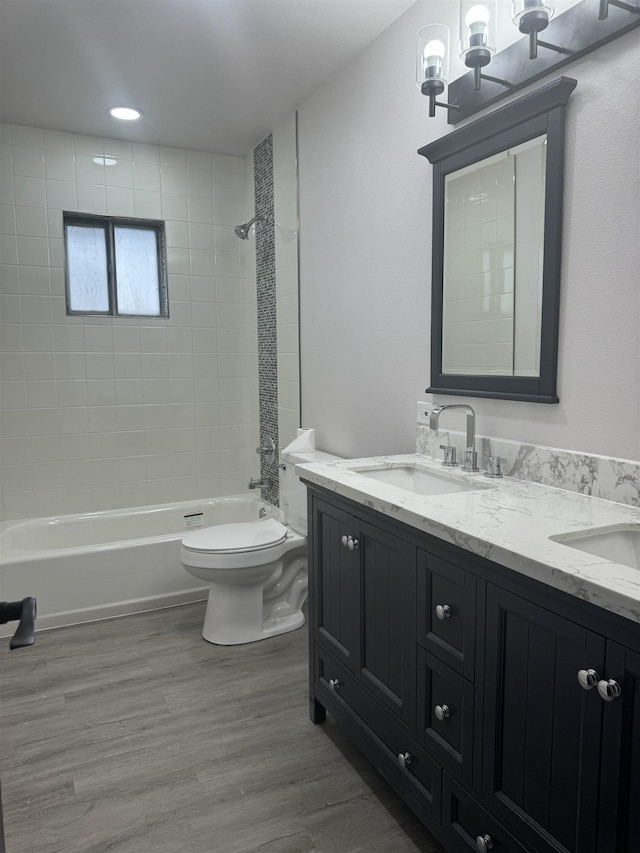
{"points": [[134, 735]]}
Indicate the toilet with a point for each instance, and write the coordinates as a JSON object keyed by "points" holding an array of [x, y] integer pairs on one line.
{"points": [[257, 569]]}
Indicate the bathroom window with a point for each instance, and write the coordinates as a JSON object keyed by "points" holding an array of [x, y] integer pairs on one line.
{"points": [[115, 266]]}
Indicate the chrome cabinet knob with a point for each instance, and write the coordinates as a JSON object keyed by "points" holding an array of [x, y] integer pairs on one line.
{"points": [[404, 759], [609, 690], [442, 712], [334, 683], [345, 540], [587, 678], [443, 611], [484, 843], [352, 544]]}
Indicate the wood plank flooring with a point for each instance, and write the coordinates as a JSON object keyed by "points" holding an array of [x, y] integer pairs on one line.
{"points": [[134, 735]]}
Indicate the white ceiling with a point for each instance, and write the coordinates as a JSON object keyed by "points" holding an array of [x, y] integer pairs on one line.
{"points": [[208, 74]]}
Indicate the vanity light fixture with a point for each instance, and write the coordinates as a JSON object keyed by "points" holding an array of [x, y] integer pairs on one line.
{"points": [[531, 18], [585, 26], [432, 63], [477, 36], [603, 9], [124, 113]]}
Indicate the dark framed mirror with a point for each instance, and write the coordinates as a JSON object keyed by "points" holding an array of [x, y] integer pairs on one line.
{"points": [[497, 245]]}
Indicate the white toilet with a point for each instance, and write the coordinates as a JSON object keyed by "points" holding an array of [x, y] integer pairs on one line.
{"points": [[257, 569]]}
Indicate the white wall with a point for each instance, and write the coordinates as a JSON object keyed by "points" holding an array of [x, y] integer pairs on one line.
{"points": [[99, 413], [365, 255]]}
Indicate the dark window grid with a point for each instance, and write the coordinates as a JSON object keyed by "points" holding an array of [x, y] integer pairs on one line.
{"points": [[108, 224]]}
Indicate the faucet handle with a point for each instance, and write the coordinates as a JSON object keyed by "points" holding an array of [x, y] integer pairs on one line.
{"points": [[493, 466], [449, 455]]}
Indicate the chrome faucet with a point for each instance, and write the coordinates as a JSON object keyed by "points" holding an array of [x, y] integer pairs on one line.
{"points": [[264, 483], [470, 455]]}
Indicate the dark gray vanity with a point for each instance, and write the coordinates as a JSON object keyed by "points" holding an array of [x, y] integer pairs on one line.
{"points": [[505, 712]]}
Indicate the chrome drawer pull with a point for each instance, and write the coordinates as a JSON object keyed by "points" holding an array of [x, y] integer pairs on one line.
{"points": [[587, 678], [404, 759], [609, 690], [334, 683], [484, 843], [443, 611], [442, 712]]}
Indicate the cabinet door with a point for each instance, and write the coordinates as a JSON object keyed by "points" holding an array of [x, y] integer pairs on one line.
{"points": [[445, 715], [619, 828], [447, 615], [541, 730], [387, 663], [335, 582]]}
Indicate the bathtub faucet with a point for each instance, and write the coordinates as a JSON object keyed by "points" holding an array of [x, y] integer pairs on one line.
{"points": [[265, 483]]}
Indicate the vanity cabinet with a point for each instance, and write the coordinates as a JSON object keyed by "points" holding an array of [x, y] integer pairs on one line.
{"points": [[540, 761], [458, 679]]}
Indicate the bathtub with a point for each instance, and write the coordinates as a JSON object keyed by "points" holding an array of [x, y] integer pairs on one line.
{"points": [[97, 565]]}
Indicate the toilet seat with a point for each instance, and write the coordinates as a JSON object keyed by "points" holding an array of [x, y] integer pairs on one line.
{"points": [[236, 538]]}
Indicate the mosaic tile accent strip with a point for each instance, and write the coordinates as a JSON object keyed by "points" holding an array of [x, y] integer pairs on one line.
{"points": [[267, 330], [598, 476]]}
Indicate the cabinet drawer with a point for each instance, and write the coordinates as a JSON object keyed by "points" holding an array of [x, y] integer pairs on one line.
{"points": [[402, 749], [445, 715], [469, 825], [446, 620]]}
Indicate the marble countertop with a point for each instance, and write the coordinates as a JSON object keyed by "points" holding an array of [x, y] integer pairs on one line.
{"points": [[505, 520]]}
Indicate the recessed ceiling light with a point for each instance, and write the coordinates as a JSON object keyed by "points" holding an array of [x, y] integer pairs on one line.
{"points": [[124, 113]]}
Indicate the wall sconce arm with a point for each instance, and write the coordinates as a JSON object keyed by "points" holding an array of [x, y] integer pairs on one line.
{"points": [[498, 80], [555, 47], [603, 11]]}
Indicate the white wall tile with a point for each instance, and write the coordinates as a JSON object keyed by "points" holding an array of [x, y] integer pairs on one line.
{"points": [[27, 162], [61, 194], [146, 176], [92, 199], [119, 201], [147, 204], [84, 389], [92, 145]]}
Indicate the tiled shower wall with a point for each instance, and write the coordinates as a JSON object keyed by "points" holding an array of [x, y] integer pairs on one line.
{"points": [[99, 413], [267, 329]]}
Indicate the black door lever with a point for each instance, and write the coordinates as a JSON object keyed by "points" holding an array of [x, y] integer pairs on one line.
{"points": [[25, 611]]}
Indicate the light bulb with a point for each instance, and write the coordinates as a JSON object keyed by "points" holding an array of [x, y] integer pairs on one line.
{"points": [[434, 48], [477, 15]]}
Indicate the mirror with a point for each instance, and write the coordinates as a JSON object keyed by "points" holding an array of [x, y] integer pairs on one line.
{"points": [[497, 228]]}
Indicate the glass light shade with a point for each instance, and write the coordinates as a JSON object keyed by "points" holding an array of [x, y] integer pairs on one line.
{"points": [[432, 57], [477, 31], [531, 15]]}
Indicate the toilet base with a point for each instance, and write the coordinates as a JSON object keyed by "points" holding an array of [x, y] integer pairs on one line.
{"points": [[267, 601], [230, 636]]}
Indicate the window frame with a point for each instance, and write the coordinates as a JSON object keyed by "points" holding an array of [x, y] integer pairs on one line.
{"points": [[108, 224]]}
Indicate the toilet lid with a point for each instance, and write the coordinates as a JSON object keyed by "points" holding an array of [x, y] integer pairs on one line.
{"points": [[240, 536]]}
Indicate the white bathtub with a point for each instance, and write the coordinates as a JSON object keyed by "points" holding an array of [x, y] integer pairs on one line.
{"points": [[83, 567]]}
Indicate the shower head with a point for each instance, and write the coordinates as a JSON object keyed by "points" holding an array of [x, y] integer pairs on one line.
{"points": [[242, 231]]}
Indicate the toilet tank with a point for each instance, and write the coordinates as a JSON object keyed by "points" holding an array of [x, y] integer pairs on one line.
{"points": [[293, 494]]}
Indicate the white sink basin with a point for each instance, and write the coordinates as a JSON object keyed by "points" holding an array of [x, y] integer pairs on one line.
{"points": [[619, 543], [418, 481]]}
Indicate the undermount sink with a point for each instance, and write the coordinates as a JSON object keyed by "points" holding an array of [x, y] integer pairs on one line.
{"points": [[418, 481], [619, 543]]}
